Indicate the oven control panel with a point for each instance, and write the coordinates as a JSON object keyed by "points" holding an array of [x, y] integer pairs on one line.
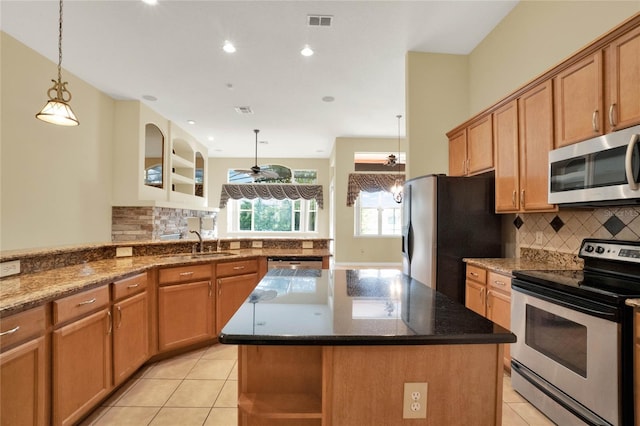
{"points": [[625, 251]]}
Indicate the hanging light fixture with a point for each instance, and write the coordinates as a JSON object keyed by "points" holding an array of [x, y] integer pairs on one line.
{"points": [[57, 109], [396, 189]]}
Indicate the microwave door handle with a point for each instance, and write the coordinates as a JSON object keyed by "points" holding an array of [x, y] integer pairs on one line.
{"points": [[628, 163]]}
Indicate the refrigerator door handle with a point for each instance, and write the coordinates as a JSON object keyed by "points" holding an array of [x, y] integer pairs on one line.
{"points": [[410, 243]]}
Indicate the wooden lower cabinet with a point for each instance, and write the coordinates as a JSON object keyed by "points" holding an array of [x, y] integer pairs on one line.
{"points": [[489, 294], [81, 366], [22, 384], [130, 336], [185, 314], [235, 282]]}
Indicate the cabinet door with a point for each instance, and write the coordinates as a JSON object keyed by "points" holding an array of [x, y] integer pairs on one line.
{"points": [[458, 154], [474, 297], [130, 336], [624, 81], [22, 384], [535, 109], [185, 314], [232, 292], [505, 124], [578, 101], [480, 145], [81, 366], [499, 311]]}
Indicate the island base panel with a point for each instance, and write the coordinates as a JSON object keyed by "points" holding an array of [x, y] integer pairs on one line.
{"points": [[364, 385]]}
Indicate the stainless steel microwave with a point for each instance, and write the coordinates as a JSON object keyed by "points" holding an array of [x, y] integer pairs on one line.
{"points": [[599, 171]]}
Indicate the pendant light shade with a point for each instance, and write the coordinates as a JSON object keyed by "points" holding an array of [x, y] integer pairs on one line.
{"points": [[57, 109], [397, 187]]}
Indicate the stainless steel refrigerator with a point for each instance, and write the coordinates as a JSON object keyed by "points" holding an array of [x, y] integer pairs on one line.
{"points": [[445, 219]]}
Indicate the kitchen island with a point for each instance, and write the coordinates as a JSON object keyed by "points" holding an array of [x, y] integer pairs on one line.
{"points": [[336, 347]]}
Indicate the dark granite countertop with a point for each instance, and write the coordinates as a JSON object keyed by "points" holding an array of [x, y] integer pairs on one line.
{"points": [[354, 307]]}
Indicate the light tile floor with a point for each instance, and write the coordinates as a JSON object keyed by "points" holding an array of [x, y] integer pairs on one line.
{"points": [[200, 388]]}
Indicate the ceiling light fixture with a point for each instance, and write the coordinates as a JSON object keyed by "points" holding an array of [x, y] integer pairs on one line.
{"points": [[191, 122], [151, 2], [306, 50], [57, 109], [228, 47], [396, 189]]}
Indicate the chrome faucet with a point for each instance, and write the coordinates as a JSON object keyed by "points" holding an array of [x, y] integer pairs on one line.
{"points": [[200, 244]]}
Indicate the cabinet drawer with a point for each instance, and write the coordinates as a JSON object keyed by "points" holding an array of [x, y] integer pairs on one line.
{"points": [[129, 286], [476, 273], [499, 282], [236, 268], [22, 326], [71, 307], [184, 273]]}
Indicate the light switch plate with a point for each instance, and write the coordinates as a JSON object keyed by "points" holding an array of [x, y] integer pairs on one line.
{"points": [[124, 251], [9, 268]]}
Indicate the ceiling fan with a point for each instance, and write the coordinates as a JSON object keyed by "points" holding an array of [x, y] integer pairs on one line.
{"points": [[392, 160], [255, 172]]}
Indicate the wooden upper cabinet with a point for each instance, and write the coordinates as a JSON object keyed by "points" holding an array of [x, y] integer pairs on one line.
{"points": [[623, 78], [480, 145], [579, 101], [535, 122], [523, 137], [458, 154], [471, 149], [505, 124]]}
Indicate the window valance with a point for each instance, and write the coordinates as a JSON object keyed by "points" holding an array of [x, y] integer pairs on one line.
{"points": [[370, 182], [267, 191]]}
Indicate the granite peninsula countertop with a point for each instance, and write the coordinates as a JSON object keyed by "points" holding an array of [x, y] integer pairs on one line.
{"points": [[21, 292], [354, 307]]}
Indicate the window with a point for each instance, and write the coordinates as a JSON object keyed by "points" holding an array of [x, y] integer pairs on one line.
{"points": [[377, 214], [273, 215]]}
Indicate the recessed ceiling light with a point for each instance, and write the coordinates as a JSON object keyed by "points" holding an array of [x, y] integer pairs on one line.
{"points": [[210, 138], [151, 2], [191, 122], [328, 98], [228, 47], [149, 98], [306, 51], [229, 86]]}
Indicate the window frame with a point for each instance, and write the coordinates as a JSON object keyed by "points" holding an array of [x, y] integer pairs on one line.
{"points": [[397, 208]]}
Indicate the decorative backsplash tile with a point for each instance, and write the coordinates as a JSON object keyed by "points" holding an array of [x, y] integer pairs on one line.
{"points": [[564, 230]]}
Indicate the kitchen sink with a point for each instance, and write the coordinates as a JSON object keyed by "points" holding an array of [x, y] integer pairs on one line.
{"points": [[204, 255]]}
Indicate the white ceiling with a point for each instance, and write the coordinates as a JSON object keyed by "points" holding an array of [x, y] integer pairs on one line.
{"points": [[173, 51]]}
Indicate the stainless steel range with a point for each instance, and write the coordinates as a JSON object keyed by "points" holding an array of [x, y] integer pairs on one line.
{"points": [[574, 356]]}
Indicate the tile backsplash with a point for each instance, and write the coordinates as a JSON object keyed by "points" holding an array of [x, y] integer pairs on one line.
{"points": [[563, 231]]}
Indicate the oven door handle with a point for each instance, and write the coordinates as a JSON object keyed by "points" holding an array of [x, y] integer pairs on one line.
{"points": [[628, 163], [609, 315]]}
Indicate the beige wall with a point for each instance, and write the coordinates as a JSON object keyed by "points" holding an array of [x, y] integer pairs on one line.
{"points": [[55, 181], [349, 249], [437, 99], [219, 167], [533, 38]]}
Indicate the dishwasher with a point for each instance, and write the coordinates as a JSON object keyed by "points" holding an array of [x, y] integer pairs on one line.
{"points": [[294, 262]]}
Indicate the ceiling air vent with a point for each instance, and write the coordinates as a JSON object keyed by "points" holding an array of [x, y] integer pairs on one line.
{"points": [[319, 20], [244, 110]]}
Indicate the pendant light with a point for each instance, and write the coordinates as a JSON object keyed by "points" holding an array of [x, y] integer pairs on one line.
{"points": [[57, 109], [396, 189]]}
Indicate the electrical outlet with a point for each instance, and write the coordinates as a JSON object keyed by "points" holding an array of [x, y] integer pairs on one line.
{"points": [[9, 268], [414, 405], [307, 244], [256, 244], [234, 245], [539, 237]]}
